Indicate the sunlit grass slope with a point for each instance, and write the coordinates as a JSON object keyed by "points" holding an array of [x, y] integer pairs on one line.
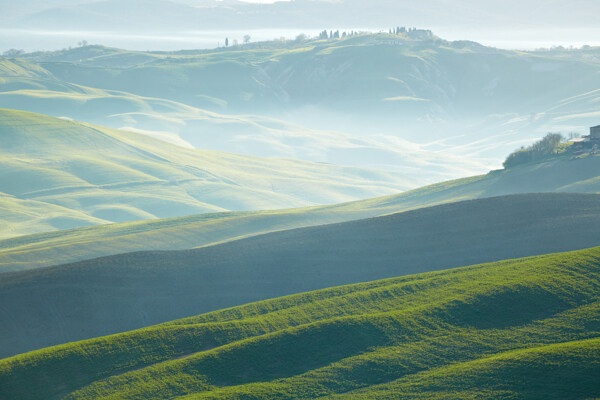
{"points": [[49, 306], [516, 329], [558, 175], [104, 175]]}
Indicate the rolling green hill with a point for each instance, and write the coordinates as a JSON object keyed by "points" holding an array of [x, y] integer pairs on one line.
{"points": [[48, 306], [562, 174], [524, 328], [376, 71], [58, 174], [25, 85], [432, 108]]}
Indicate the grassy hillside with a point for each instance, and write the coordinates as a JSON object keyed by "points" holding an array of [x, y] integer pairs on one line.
{"points": [[73, 174], [402, 104], [112, 294], [25, 85], [26, 252], [525, 328], [393, 68], [379, 73]]}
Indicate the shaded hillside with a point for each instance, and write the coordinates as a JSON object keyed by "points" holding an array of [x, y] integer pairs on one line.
{"points": [[107, 295], [27, 252], [525, 328], [57, 174]]}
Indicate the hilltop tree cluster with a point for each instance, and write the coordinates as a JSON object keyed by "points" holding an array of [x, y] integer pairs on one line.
{"points": [[400, 30], [235, 42], [539, 150], [412, 33], [335, 35], [13, 53]]}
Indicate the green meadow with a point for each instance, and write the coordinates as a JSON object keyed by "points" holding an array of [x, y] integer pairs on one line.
{"points": [[258, 222], [49, 306], [523, 328], [561, 174], [59, 174], [372, 71], [375, 101]]}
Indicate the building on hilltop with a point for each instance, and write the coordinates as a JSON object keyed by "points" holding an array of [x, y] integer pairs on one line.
{"points": [[588, 143], [595, 132]]}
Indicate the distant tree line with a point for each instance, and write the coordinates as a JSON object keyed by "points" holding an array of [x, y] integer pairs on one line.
{"points": [[413, 33], [335, 35], [235, 42], [13, 53], [399, 30], [539, 150]]}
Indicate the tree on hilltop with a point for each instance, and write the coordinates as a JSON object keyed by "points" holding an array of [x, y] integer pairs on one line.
{"points": [[539, 150]]}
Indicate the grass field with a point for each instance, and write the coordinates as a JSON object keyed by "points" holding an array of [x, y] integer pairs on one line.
{"points": [[217, 275], [74, 174], [26, 252], [28, 86], [49, 306], [274, 74], [391, 103], [525, 328]]}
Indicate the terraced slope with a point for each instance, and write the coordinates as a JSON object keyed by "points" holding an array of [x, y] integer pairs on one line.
{"points": [[87, 299], [27, 252], [57, 174], [525, 328]]}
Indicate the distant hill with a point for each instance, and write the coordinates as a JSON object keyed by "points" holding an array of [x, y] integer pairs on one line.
{"points": [[561, 174], [525, 328], [392, 102], [393, 75], [59, 304], [26, 85], [59, 174]]}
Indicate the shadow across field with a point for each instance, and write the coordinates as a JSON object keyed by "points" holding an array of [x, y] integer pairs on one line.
{"points": [[113, 294]]}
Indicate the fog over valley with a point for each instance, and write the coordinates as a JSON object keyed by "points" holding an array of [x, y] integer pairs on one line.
{"points": [[300, 199]]}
